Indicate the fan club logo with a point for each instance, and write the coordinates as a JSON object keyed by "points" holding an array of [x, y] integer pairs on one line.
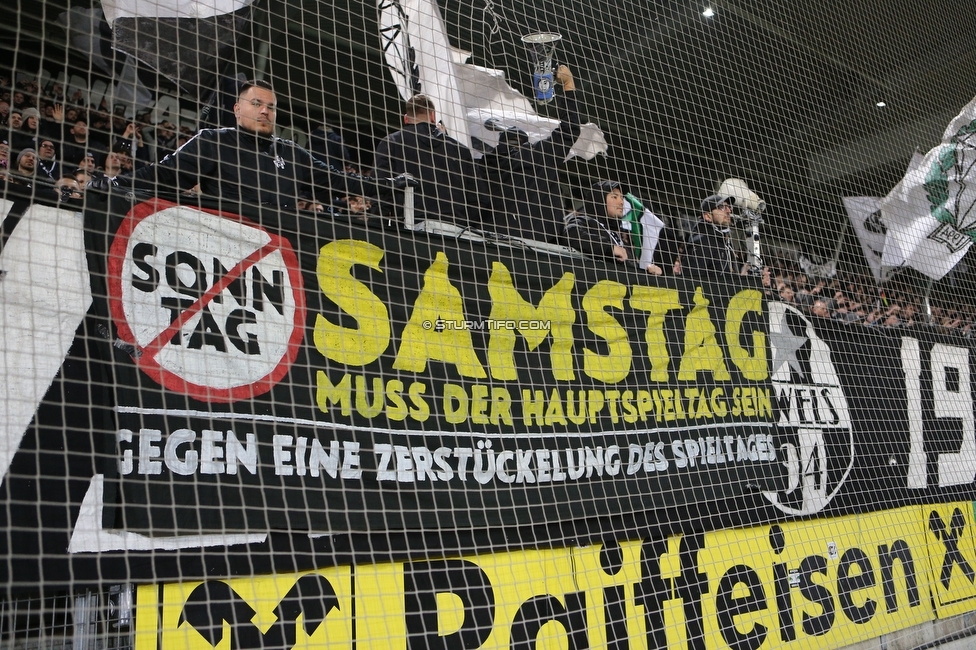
{"points": [[950, 192], [813, 422], [210, 305], [874, 224]]}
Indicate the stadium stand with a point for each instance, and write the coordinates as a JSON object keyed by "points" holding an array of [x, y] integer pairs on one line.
{"points": [[298, 416]]}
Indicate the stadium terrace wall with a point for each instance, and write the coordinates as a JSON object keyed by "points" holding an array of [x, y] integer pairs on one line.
{"points": [[207, 395]]}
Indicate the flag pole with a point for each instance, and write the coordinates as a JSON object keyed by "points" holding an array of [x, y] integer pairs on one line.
{"points": [[840, 243], [929, 283]]}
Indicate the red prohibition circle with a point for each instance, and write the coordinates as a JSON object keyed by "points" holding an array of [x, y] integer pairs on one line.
{"points": [[146, 358]]}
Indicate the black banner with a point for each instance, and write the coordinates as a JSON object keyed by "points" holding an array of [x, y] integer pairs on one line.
{"points": [[269, 376], [356, 380], [910, 398]]}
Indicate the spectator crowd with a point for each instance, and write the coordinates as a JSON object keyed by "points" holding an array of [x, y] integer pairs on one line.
{"points": [[853, 299], [53, 147]]}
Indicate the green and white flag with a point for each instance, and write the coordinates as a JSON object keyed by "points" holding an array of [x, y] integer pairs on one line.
{"points": [[931, 214]]}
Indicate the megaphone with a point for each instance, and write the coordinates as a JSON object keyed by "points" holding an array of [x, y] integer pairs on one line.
{"points": [[745, 198], [750, 208]]}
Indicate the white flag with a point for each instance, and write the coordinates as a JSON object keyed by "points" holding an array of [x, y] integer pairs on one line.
{"points": [[930, 214], [491, 100], [816, 269], [115, 9], [865, 215], [417, 48], [466, 97]]}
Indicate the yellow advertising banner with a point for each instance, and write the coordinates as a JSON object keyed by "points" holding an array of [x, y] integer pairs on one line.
{"points": [[310, 610], [822, 583], [952, 553]]}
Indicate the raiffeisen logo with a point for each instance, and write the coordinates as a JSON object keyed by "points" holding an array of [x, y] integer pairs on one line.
{"points": [[812, 418]]}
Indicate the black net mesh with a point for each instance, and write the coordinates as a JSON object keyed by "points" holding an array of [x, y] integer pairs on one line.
{"points": [[486, 325]]}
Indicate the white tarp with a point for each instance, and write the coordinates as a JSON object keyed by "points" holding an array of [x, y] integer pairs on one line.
{"points": [[44, 295]]}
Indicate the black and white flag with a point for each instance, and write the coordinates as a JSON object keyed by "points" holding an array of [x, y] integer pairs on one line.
{"points": [[185, 40], [467, 97], [865, 215]]}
